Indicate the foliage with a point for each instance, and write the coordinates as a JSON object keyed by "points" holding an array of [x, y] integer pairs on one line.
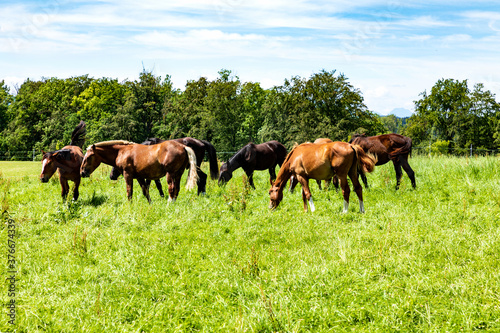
{"points": [[453, 113], [424, 260]]}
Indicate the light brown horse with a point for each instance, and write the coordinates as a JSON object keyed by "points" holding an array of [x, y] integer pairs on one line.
{"points": [[314, 161], [143, 162], [388, 147], [294, 181], [67, 162]]}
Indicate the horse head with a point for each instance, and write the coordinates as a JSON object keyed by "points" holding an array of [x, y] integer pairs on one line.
{"points": [[90, 162], [275, 196], [48, 166], [225, 174]]}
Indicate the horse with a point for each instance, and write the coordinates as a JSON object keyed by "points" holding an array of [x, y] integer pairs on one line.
{"points": [[143, 162], [313, 161], [67, 162], [199, 147], [294, 181], [254, 157], [388, 147]]}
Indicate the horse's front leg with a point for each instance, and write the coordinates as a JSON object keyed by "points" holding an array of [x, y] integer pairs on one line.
{"points": [[249, 174], [272, 174], [129, 181], [306, 193], [64, 187], [145, 188], [76, 193]]}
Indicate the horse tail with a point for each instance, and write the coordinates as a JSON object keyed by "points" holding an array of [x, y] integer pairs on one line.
{"points": [[193, 173], [405, 149], [78, 135], [212, 157], [365, 161]]}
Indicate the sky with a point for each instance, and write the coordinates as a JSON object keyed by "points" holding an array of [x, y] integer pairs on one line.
{"points": [[390, 50]]}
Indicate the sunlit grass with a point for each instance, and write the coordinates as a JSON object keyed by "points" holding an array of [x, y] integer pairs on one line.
{"points": [[418, 260]]}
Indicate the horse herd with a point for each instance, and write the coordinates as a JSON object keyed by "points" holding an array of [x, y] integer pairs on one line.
{"points": [[155, 158]]}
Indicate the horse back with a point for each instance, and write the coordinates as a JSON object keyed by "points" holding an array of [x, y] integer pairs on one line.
{"points": [[70, 168]]}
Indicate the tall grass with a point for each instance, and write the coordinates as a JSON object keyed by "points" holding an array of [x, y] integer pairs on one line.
{"points": [[418, 260]]}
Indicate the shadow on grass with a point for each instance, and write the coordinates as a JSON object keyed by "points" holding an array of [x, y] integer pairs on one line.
{"points": [[95, 200]]}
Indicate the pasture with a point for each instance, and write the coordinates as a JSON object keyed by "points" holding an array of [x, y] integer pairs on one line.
{"points": [[418, 260]]}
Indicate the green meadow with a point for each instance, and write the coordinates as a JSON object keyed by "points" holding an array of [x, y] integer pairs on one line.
{"points": [[424, 260]]}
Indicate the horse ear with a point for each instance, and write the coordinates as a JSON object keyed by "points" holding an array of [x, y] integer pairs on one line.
{"points": [[272, 182], [93, 147]]}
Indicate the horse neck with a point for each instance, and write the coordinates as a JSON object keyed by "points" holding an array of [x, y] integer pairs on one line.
{"points": [[108, 154], [234, 162], [283, 175]]}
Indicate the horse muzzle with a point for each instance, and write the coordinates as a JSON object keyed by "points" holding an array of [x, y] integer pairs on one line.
{"points": [[84, 174], [44, 179]]}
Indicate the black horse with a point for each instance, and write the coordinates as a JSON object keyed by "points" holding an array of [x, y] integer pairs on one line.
{"points": [[388, 147], [254, 157], [199, 147]]}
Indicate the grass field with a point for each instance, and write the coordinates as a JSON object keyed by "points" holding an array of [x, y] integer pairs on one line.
{"points": [[424, 260]]}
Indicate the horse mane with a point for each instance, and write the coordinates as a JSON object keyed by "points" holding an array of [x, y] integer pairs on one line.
{"points": [[78, 135], [111, 143]]}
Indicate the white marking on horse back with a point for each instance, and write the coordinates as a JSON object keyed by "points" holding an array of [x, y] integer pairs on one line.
{"points": [[361, 206], [311, 204], [346, 207]]}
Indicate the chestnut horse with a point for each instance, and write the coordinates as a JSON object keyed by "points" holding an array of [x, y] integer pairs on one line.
{"points": [[320, 162], [254, 157], [199, 147], [294, 181], [67, 162], [388, 147], [143, 162]]}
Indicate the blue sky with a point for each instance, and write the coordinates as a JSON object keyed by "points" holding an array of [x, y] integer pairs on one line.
{"points": [[390, 50]]}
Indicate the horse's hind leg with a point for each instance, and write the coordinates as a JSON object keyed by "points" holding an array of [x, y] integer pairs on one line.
{"points": [[171, 187], [353, 175], [130, 185], [408, 169], [399, 172], [346, 191], [202, 182], [76, 193], [335, 181], [145, 188]]}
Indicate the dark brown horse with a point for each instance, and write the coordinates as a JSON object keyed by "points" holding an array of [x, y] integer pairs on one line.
{"points": [[143, 162], [388, 147], [67, 162], [200, 147], [254, 157], [320, 162]]}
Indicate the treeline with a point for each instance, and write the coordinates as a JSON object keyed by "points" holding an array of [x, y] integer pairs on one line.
{"points": [[230, 113]]}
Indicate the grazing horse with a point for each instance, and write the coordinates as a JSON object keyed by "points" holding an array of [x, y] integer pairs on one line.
{"points": [[199, 147], [67, 162], [254, 157], [143, 162], [320, 162], [294, 181], [388, 147]]}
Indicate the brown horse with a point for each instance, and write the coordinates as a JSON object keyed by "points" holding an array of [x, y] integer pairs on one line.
{"points": [[254, 157], [313, 161], [199, 147], [388, 147], [143, 162], [294, 181], [67, 162]]}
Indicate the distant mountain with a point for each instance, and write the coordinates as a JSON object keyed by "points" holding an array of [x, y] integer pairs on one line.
{"points": [[401, 112]]}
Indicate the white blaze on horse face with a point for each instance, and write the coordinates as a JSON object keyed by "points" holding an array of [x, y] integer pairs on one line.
{"points": [[311, 204], [44, 164], [346, 207], [361, 206]]}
